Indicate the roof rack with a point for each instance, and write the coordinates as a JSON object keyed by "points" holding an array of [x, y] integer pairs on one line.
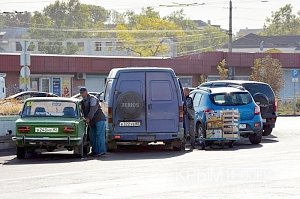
{"points": [[236, 86]]}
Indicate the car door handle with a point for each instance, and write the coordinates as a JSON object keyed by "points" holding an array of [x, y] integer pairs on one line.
{"points": [[149, 106]]}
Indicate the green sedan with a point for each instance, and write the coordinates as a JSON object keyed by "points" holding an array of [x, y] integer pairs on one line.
{"points": [[51, 123]]}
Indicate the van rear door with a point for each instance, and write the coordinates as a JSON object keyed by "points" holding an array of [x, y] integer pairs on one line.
{"points": [[161, 103], [129, 98]]}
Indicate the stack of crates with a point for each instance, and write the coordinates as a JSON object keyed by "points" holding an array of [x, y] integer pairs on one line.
{"points": [[222, 124], [231, 120], [214, 125]]}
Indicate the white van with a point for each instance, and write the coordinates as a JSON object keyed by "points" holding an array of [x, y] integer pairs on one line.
{"points": [[2, 88]]}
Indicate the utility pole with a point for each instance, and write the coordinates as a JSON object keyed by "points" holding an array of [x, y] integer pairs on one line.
{"points": [[230, 28]]}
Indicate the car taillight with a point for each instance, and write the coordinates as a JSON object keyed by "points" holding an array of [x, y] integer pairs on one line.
{"points": [[23, 129], [256, 110], [181, 113], [69, 129], [110, 115], [275, 105], [207, 110]]}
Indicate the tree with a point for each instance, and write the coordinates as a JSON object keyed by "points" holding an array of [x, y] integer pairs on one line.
{"points": [[197, 39], [147, 34], [268, 70], [282, 22], [223, 71], [15, 19]]}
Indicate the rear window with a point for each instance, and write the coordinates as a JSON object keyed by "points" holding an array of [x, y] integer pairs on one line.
{"points": [[50, 109], [231, 99]]}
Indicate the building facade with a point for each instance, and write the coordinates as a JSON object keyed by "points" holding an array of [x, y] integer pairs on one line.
{"points": [[63, 75]]}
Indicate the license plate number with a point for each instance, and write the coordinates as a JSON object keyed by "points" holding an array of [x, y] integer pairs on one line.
{"points": [[243, 126], [133, 124], [46, 130], [148, 138]]}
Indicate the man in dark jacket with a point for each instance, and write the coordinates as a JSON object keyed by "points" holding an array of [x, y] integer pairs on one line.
{"points": [[96, 119], [189, 116]]}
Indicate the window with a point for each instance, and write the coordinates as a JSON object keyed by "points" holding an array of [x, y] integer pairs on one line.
{"points": [[97, 46], [161, 90], [18, 46], [31, 47], [119, 46], [107, 90], [197, 99], [109, 46], [231, 99], [81, 46]]}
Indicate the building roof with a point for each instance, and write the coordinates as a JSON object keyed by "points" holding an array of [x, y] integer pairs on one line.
{"points": [[246, 31], [12, 33], [254, 41]]}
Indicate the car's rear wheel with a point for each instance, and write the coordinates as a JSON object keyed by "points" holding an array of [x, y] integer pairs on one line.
{"points": [[267, 131], [78, 150], [21, 152], [256, 137]]}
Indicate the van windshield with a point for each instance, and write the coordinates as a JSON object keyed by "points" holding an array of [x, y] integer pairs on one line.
{"points": [[231, 99]]}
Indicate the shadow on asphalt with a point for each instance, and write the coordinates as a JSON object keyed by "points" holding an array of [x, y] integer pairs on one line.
{"points": [[127, 153], [123, 153]]}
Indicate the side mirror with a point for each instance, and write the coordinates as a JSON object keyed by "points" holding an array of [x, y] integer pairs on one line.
{"points": [[101, 97]]}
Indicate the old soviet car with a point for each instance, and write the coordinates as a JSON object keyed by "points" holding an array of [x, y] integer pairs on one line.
{"points": [[51, 123]]}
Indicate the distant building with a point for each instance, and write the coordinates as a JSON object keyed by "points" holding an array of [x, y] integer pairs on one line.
{"points": [[256, 43], [10, 42], [246, 31]]}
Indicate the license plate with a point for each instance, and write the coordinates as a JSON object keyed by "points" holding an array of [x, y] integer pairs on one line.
{"points": [[134, 124], [148, 138], [243, 126], [46, 130], [264, 120]]}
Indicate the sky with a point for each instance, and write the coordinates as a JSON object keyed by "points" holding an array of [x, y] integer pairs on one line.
{"points": [[246, 13]]}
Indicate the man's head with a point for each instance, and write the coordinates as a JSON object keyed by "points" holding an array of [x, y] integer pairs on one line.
{"points": [[186, 91], [83, 92]]}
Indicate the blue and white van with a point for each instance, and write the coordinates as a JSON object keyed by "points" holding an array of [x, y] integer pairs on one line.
{"points": [[143, 105]]}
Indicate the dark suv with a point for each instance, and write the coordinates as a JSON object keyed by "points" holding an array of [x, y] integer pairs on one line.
{"points": [[262, 94]]}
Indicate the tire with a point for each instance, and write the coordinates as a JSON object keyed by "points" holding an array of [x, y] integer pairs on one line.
{"points": [[130, 105], [267, 131], [230, 144], [21, 152], [200, 134], [112, 146], [78, 150], [86, 149], [256, 137], [178, 145], [263, 101]]}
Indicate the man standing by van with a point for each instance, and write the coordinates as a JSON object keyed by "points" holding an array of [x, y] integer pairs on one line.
{"points": [[95, 118], [189, 116]]}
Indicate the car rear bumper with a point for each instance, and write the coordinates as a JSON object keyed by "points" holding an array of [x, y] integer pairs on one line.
{"points": [[269, 120], [145, 137], [68, 141]]}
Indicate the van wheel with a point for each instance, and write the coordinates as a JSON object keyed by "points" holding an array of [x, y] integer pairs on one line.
{"points": [[130, 111], [112, 146], [256, 137], [21, 152], [178, 145], [200, 135]]}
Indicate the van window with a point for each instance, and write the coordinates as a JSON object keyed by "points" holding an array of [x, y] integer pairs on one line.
{"points": [[161, 90], [107, 90]]}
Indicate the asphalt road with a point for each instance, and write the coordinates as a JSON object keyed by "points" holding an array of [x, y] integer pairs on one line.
{"points": [[268, 170]]}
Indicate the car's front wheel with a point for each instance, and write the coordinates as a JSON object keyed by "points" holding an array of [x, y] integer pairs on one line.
{"points": [[256, 137], [21, 152]]}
